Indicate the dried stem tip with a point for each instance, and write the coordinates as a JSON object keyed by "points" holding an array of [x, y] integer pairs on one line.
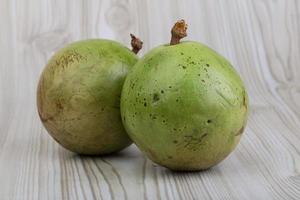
{"points": [[136, 44], [178, 32]]}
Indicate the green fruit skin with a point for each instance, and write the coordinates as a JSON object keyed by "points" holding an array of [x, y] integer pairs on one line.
{"points": [[78, 96], [184, 106]]}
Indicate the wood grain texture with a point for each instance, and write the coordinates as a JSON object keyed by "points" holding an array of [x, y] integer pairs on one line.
{"points": [[260, 38]]}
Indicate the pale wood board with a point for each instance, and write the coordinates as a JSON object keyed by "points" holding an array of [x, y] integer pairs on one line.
{"points": [[260, 38]]}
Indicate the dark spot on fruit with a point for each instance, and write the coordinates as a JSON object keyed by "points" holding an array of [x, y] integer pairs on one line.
{"points": [[207, 65], [150, 115], [59, 105], [192, 142], [164, 121], [154, 117], [135, 113], [174, 129], [102, 109], [162, 91], [124, 119], [240, 132], [132, 85], [144, 99], [209, 121], [177, 100], [155, 97], [175, 141], [181, 53], [193, 63], [203, 81], [183, 67], [170, 86], [198, 74], [170, 157], [145, 104]]}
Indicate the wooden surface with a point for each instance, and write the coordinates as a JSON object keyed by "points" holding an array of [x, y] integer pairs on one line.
{"points": [[260, 38]]}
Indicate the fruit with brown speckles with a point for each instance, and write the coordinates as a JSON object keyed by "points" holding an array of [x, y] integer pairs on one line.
{"points": [[199, 117], [79, 93]]}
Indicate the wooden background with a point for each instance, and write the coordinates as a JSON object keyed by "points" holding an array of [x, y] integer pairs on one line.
{"points": [[260, 38]]}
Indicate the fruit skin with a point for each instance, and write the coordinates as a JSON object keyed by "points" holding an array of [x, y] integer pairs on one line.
{"points": [[79, 94], [184, 106]]}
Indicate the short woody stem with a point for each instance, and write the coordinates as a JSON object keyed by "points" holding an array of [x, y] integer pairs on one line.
{"points": [[136, 44], [178, 32]]}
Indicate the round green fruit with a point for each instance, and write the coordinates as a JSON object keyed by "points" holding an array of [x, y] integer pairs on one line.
{"points": [[184, 106], [79, 94]]}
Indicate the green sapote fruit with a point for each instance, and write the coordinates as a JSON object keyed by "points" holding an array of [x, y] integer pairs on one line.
{"points": [[184, 105], [79, 92]]}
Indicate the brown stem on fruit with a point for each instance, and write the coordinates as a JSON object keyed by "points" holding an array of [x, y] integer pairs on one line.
{"points": [[136, 44], [178, 32]]}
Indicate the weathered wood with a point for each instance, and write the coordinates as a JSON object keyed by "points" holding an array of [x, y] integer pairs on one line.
{"points": [[261, 38]]}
